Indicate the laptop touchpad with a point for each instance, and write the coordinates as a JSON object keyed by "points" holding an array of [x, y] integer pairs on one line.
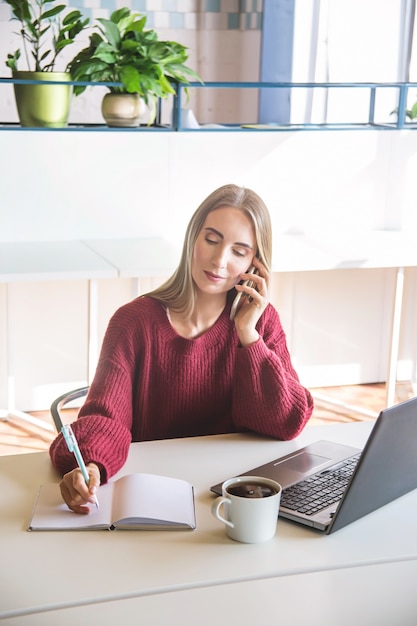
{"points": [[303, 462]]}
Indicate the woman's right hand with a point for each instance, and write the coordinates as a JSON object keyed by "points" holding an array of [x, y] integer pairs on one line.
{"points": [[76, 493]]}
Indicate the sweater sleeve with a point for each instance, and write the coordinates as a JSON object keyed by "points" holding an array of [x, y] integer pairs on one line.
{"points": [[103, 426], [268, 397]]}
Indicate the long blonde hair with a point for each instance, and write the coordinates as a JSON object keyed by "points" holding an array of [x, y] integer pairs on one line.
{"points": [[178, 292]]}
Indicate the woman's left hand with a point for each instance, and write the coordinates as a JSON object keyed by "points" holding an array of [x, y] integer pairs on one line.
{"points": [[252, 304]]}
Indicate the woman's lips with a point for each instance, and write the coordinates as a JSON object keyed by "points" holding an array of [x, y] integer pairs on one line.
{"points": [[214, 278]]}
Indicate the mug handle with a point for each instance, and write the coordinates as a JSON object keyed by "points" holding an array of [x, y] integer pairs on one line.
{"points": [[215, 509]]}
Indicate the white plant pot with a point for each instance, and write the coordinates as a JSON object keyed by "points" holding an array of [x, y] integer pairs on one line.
{"points": [[124, 110]]}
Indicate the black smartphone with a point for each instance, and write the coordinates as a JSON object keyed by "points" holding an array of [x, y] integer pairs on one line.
{"points": [[250, 283]]}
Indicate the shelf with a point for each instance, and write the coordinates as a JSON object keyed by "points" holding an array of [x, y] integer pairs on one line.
{"points": [[5, 126], [371, 90]]}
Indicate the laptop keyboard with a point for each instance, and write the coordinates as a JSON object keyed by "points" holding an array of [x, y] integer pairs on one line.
{"points": [[319, 491]]}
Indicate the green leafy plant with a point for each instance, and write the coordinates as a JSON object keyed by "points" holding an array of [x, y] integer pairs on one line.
{"points": [[412, 113], [44, 31], [122, 51]]}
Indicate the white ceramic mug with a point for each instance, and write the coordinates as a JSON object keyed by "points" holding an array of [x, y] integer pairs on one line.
{"points": [[251, 505]]}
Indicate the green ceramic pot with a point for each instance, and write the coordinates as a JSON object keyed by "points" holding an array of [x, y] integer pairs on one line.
{"points": [[43, 105]]}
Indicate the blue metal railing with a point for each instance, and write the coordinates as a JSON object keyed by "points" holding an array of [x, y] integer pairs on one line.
{"points": [[402, 89]]}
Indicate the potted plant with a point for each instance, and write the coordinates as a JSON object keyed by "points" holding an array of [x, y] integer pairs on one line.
{"points": [[144, 69], [412, 113], [45, 33]]}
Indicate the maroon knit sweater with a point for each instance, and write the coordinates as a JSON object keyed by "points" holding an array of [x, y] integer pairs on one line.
{"points": [[151, 383]]}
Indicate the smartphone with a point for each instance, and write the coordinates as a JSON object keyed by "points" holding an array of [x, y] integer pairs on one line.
{"points": [[250, 283]]}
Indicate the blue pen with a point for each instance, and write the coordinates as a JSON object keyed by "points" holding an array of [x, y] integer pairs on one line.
{"points": [[73, 447]]}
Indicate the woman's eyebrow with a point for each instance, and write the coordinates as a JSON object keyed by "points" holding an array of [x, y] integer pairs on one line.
{"points": [[219, 234]]}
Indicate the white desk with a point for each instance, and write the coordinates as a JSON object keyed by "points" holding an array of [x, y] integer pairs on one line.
{"points": [[134, 258], [148, 262], [77, 260], [335, 250], [375, 595], [331, 250], [43, 569], [51, 260]]}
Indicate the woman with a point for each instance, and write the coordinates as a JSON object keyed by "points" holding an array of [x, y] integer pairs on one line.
{"points": [[173, 363]]}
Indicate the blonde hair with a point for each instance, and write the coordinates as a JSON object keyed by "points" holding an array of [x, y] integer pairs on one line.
{"points": [[178, 292]]}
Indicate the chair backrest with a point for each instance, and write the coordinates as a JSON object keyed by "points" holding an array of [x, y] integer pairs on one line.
{"points": [[58, 404]]}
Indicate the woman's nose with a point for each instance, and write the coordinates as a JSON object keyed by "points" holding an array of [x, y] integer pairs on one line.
{"points": [[219, 259]]}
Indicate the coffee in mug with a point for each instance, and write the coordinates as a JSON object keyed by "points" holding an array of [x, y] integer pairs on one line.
{"points": [[250, 508], [251, 490]]}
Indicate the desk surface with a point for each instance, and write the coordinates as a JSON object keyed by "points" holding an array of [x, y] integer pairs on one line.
{"points": [[51, 260], [335, 250], [378, 595], [138, 257], [43, 569]]}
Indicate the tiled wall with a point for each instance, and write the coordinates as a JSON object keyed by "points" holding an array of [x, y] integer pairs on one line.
{"points": [[180, 14]]}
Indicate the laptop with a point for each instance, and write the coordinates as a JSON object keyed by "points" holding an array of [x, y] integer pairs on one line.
{"points": [[327, 485]]}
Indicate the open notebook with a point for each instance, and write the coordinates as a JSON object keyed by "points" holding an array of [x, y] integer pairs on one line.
{"points": [[133, 502]]}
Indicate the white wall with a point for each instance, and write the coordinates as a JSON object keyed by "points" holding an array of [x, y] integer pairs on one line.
{"points": [[79, 185]]}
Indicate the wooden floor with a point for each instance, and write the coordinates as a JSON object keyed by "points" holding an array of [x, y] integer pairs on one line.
{"points": [[19, 437]]}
